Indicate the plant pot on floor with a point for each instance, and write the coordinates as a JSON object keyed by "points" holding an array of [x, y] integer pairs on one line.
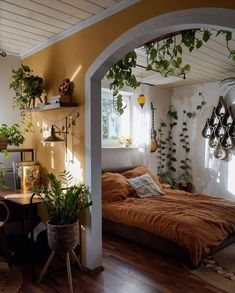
{"points": [[63, 238]]}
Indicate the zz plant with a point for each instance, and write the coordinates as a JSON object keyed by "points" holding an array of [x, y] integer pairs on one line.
{"points": [[63, 204]]}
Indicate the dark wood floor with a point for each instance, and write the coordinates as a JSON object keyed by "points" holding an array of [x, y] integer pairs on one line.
{"points": [[129, 268]]}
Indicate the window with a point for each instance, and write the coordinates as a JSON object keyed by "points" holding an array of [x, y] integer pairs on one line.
{"points": [[115, 126]]}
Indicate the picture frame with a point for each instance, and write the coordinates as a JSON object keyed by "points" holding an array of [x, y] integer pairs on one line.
{"points": [[26, 175]]}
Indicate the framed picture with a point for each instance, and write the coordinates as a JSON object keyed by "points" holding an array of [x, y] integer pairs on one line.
{"points": [[27, 175]]}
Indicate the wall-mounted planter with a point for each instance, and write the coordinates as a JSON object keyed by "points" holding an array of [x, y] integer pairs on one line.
{"points": [[220, 130]]}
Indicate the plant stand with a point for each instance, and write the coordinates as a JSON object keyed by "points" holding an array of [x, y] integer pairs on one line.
{"points": [[62, 239], [44, 270]]}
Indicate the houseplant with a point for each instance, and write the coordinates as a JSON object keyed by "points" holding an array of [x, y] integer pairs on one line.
{"points": [[64, 206], [27, 88], [10, 135]]}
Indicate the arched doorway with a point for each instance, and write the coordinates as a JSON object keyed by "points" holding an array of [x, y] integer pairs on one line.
{"points": [[135, 37]]}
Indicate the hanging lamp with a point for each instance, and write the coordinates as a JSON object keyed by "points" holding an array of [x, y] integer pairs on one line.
{"points": [[141, 100]]}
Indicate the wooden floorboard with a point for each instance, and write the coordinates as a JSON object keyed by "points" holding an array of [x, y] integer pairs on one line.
{"points": [[128, 268]]}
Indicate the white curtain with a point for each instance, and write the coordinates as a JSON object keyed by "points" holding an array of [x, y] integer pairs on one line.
{"points": [[141, 125]]}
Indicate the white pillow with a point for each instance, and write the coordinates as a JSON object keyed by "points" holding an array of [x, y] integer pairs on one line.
{"points": [[145, 186]]}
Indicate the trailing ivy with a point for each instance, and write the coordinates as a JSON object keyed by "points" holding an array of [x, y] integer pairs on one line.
{"points": [[167, 163], [120, 75], [164, 56]]}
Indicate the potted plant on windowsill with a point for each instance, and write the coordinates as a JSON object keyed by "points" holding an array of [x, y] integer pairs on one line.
{"points": [[10, 135]]}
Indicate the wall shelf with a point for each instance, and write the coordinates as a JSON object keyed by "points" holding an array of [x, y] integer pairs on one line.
{"points": [[54, 106]]}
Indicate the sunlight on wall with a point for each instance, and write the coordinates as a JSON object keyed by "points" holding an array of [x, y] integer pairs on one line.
{"points": [[75, 72], [211, 163], [73, 165], [52, 160], [231, 171]]}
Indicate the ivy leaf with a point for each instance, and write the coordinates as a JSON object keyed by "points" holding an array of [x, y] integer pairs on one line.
{"points": [[228, 36], [163, 124], [173, 159], [179, 60], [191, 48], [206, 35], [153, 53], [199, 107], [199, 44], [149, 67], [173, 169], [179, 49]]}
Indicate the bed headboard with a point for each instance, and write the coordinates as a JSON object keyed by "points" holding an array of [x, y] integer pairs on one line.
{"points": [[119, 170]]}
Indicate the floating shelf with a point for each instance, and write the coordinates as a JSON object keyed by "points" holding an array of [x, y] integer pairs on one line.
{"points": [[53, 106]]}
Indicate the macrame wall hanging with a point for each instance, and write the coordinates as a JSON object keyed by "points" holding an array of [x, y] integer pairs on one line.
{"points": [[220, 130]]}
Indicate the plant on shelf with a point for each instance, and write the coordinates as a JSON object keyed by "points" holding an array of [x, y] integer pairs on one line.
{"points": [[28, 88], [10, 135], [163, 55]]}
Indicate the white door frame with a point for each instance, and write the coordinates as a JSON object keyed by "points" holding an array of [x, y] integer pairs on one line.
{"points": [[135, 37]]}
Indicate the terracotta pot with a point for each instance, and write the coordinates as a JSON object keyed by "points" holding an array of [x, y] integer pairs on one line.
{"points": [[3, 144], [63, 238]]}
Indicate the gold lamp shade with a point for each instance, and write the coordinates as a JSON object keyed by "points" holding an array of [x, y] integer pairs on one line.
{"points": [[53, 137], [141, 100]]}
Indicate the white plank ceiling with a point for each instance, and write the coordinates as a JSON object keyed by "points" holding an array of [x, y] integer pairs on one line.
{"points": [[209, 63], [25, 24]]}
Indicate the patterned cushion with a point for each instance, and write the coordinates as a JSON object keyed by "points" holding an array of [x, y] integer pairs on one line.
{"points": [[141, 170], [145, 186]]}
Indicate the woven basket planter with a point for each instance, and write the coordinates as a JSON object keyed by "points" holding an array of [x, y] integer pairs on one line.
{"points": [[63, 238], [3, 144]]}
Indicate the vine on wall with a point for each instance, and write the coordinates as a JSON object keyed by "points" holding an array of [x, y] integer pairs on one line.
{"points": [[167, 165], [164, 56]]}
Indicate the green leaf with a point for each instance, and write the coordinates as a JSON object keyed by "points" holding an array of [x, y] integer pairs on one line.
{"points": [[191, 48], [199, 44], [179, 49], [206, 35], [149, 67], [228, 36]]}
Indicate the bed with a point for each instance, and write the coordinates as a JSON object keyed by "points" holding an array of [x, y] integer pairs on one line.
{"points": [[185, 225]]}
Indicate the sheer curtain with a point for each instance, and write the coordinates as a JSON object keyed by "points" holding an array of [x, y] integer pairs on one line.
{"points": [[141, 125]]}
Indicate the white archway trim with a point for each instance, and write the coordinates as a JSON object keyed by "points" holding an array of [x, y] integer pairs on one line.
{"points": [[135, 37]]}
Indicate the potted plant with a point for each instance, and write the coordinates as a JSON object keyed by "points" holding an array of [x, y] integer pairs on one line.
{"points": [[64, 206], [27, 88], [10, 135]]}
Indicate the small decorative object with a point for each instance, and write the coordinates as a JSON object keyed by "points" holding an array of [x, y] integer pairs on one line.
{"points": [[10, 135], [64, 206], [220, 129], [66, 91], [128, 142]]}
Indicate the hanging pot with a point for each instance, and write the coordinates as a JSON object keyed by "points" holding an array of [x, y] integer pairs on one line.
{"points": [[63, 238], [3, 144]]}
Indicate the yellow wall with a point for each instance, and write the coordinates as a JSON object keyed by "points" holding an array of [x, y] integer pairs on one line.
{"points": [[62, 60]]}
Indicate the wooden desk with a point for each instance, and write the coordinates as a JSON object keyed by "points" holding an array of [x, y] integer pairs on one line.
{"points": [[27, 201]]}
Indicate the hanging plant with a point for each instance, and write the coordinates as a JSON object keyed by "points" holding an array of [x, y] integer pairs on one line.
{"points": [[120, 75], [27, 88], [164, 56]]}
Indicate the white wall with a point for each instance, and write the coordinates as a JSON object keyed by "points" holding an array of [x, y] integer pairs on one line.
{"points": [[210, 175], [118, 158], [7, 114]]}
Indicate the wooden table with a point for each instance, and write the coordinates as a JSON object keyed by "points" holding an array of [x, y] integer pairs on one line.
{"points": [[26, 201]]}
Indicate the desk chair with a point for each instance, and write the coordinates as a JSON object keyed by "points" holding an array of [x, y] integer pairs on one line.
{"points": [[4, 216]]}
